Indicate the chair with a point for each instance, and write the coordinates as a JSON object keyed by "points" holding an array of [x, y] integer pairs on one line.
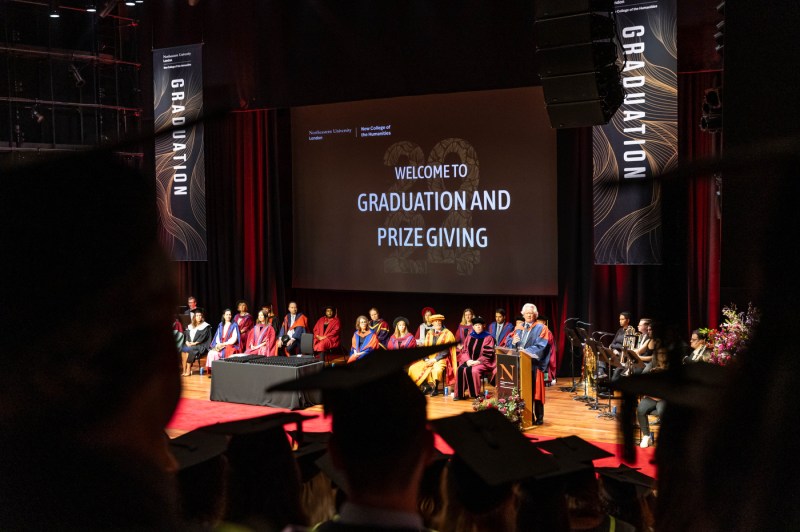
{"points": [[307, 344]]}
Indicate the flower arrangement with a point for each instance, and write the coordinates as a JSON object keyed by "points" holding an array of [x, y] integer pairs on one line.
{"points": [[511, 406], [733, 335]]}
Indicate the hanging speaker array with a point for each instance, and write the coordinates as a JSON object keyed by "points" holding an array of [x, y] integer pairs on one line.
{"points": [[576, 56]]}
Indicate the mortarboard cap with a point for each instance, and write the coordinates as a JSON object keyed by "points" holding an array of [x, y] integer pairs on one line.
{"points": [[243, 427], [377, 365], [306, 456], [627, 475], [573, 448], [337, 476], [399, 319], [196, 447], [692, 385], [478, 319], [493, 447]]}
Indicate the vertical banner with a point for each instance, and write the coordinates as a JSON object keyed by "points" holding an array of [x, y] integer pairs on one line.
{"points": [[641, 140], [180, 167]]}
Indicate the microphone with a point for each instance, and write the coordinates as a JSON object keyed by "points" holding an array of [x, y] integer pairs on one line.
{"points": [[571, 319], [584, 323]]}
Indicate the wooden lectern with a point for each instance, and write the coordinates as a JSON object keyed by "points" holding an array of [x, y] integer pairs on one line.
{"points": [[515, 370]]}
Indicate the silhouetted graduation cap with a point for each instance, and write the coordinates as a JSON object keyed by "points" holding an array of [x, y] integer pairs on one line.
{"points": [[337, 476], [310, 447], [196, 447], [573, 448], [256, 425], [572, 454], [375, 366], [627, 475], [493, 447], [692, 385]]}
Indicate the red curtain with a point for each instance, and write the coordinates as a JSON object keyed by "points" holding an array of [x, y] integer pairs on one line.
{"points": [[703, 268], [241, 262]]}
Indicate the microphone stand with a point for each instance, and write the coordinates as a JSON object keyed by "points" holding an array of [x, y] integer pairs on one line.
{"points": [[570, 336]]}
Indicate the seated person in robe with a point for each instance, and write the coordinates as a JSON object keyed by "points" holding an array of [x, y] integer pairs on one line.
{"points": [[294, 325], [243, 319], [426, 325], [402, 337], [500, 328], [226, 342], [365, 340], [326, 331], [197, 339], [464, 328], [261, 340], [428, 373], [475, 359], [379, 326]]}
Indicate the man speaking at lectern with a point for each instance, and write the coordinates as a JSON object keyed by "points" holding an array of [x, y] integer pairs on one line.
{"points": [[528, 339]]}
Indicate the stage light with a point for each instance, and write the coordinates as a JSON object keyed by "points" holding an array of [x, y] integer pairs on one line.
{"points": [[54, 12], [76, 75], [711, 121], [36, 115], [91, 7], [130, 3]]}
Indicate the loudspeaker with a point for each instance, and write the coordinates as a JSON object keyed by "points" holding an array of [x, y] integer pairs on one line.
{"points": [[571, 7], [577, 61], [583, 28], [579, 87], [576, 58]]}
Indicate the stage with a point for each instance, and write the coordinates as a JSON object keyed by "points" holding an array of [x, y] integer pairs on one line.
{"points": [[564, 416]]}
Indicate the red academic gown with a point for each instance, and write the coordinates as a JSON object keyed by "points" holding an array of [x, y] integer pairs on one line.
{"points": [[245, 324], [295, 331], [259, 334], [329, 329], [480, 348], [404, 342], [364, 343]]}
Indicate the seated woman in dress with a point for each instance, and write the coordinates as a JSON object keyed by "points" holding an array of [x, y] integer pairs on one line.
{"points": [[227, 340], [261, 340], [648, 405], [475, 359], [426, 325], [401, 338], [365, 340], [464, 328], [243, 319], [198, 336], [379, 326]]}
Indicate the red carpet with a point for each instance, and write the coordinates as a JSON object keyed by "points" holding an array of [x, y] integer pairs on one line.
{"points": [[195, 413]]}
